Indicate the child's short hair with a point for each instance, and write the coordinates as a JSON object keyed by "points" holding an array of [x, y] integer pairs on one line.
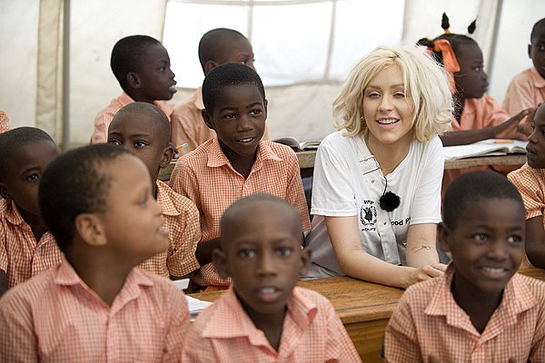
{"points": [[215, 43], [425, 82], [227, 75], [127, 56], [257, 198], [11, 140], [75, 183], [475, 186], [538, 26], [159, 117]]}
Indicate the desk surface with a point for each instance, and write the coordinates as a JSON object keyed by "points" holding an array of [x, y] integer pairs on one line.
{"points": [[307, 158], [354, 300]]}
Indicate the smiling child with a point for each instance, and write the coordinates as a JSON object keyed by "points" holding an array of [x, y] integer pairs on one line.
{"points": [[480, 310], [237, 163]]}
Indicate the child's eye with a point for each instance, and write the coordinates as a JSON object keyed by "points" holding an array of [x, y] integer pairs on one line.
{"points": [[284, 251], [33, 177], [230, 116], [256, 111], [246, 253], [478, 69], [480, 237], [139, 144], [541, 47], [515, 239], [114, 142], [143, 200]]}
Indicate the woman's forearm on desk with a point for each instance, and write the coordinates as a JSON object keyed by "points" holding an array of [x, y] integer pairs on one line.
{"points": [[355, 262], [422, 245]]}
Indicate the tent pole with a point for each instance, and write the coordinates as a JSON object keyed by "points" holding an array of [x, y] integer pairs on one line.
{"points": [[66, 76]]}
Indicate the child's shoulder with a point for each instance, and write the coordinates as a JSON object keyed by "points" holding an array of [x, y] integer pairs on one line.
{"points": [[271, 150], [32, 292], [172, 201], [529, 288]]}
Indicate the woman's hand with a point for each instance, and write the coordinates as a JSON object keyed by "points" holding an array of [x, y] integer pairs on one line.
{"points": [[425, 273]]}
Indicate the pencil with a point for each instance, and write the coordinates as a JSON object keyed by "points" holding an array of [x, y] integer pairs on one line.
{"points": [[181, 146], [503, 141]]}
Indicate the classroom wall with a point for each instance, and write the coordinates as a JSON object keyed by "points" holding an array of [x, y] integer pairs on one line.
{"points": [[302, 111]]}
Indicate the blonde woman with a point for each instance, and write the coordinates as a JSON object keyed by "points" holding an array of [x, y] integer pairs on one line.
{"points": [[377, 180]]}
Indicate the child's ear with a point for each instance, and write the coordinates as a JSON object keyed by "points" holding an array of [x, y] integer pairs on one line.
{"points": [[443, 233], [305, 262], [90, 228], [4, 191], [168, 153], [530, 51], [266, 104], [220, 262], [207, 117], [209, 65], [133, 80]]}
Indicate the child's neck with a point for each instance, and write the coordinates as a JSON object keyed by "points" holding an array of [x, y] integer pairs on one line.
{"points": [[243, 165], [36, 224], [459, 101], [270, 325], [478, 305], [104, 276]]}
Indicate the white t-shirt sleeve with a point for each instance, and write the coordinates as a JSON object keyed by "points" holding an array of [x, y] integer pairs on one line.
{"points": [[333, 186], [426, 204]]}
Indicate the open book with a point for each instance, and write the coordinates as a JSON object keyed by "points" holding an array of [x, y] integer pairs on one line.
{"points": [[298, 146], [491, 147]]}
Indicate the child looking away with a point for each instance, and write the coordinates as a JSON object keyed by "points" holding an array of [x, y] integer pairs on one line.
{"points": [[264, 317], [217, 46], [527, 89], [143, 129], [477, 116], [237, 163], [530, 181], [141, 65], [480, 310], [26, 246], [95, 306]]}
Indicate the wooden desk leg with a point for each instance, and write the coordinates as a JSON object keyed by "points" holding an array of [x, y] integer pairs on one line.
{"points": [[367, 338]]}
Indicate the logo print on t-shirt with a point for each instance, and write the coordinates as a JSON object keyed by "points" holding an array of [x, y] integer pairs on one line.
{"points": [[368, 215]]}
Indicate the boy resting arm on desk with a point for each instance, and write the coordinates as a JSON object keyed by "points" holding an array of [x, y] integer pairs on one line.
{"points": [[263, 317], [95, 306], [237, 163], [481, 310]]}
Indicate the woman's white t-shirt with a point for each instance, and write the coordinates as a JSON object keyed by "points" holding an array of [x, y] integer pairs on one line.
{"points": [[347, 182]]}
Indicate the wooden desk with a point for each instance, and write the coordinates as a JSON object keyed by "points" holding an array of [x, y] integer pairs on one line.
{"points": [[363, 307], [307, 158]]}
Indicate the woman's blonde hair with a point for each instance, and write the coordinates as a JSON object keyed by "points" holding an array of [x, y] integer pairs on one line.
{"points": [[425, 82]]}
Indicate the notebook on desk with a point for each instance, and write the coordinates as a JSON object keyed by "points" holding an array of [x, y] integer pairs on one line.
{"points": [[491, 147]]}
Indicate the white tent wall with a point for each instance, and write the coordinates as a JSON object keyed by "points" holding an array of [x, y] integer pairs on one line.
{"points": [[31, 81]]}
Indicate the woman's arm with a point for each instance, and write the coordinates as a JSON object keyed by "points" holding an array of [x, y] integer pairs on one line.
{"points": [[421, 245], [355, 262], [535, 241]]}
